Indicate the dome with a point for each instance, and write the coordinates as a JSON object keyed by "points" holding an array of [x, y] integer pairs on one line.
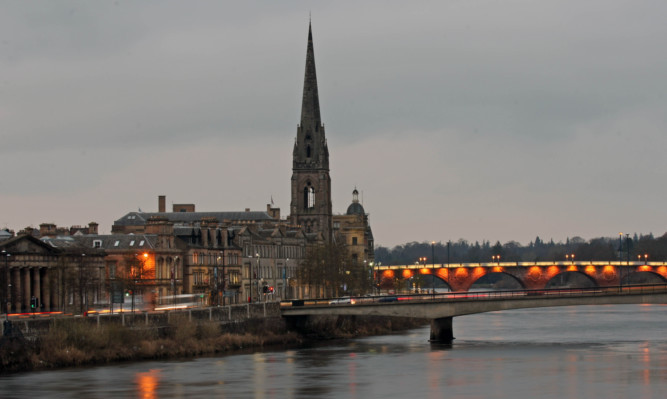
{"points": [[355, 208]]}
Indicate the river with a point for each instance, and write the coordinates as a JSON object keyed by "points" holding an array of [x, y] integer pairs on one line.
{"points": [[615, 351]]}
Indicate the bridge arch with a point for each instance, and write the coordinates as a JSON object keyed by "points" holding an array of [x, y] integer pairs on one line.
{"points": [[572, 279], [498, 280], [414, 280], [644, 277]]}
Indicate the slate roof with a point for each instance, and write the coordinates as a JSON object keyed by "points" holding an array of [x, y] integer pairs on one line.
{"points": [[111, 241], [140, 218]]}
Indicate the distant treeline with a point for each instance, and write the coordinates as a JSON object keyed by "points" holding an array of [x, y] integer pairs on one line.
{"points": [[633, 247]]}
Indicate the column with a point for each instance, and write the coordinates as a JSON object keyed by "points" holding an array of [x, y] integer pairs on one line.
{"points": [[26, 290], [46, 289], [16, 289], [36, 286]]}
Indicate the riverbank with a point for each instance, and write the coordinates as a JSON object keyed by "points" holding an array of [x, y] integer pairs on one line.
{"points": [[77, 343]]}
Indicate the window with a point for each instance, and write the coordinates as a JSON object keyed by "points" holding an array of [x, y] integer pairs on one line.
{"points": [[141, 243], [97, 243], [116, 243], [132, 243], [309, 197], [354, 240]]}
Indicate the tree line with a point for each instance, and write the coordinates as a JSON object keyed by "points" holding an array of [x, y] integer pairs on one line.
{"points": [[623, 247]]}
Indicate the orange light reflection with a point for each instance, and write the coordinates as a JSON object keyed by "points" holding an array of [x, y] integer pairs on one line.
{"points": [[147, 384]]}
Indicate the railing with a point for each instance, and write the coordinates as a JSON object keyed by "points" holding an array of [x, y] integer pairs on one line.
{"points": [[481, 295]]}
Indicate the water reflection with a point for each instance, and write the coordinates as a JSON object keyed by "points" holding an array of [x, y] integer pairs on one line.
{"points": [[147, 383]]}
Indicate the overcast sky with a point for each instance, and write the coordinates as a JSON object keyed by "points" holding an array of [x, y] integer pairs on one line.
{"points": [[476, 119]]}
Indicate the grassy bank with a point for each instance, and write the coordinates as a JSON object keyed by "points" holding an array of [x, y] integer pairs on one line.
{"points": [[73, 343]]}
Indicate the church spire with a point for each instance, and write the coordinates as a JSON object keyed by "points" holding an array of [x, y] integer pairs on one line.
{"points": [[311, 183], [310, 107]]}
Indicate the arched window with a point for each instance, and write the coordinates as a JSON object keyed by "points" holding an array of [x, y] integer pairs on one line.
{"points": [[308, 151], [309, 197]]}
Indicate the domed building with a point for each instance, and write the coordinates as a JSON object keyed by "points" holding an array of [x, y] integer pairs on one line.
{"points": [[354, 228]]}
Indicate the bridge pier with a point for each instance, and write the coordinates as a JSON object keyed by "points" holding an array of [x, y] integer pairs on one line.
{"points": [[441, 330]]}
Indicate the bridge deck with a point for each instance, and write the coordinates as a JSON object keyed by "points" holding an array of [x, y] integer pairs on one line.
{"points": [[438, 305]]}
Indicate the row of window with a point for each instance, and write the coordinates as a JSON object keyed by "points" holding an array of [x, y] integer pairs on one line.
{"points": [[214, 259], [274, 251], [269, 272]]}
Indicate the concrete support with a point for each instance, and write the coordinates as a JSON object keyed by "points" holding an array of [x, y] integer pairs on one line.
{"points": [[441, 330], [297, 323]]}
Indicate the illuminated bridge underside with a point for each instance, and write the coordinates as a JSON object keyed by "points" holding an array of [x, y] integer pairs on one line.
{"points": [[441, 311], [530, 275]]}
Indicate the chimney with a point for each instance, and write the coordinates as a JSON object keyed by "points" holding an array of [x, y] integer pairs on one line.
{"points": [[162, 204], [92, 228]]}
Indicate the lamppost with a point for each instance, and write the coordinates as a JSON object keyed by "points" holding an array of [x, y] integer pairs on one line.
{"points": [[259, 273], [496, 258], [422, 261], [173, 280], [250, 275], [223, 277], [83, 259], [8, 285], [449, 244], [570, 257], [285, 278], [645, 256]]}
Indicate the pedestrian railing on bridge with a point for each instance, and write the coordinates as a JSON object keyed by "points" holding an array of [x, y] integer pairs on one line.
{"points": [[479, 295]]}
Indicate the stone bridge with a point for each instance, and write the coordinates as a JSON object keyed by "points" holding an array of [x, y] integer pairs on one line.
{"points": [[529, 275]]}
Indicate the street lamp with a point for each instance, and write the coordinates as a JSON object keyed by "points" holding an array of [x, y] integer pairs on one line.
{"points": [[570, 257], [285, 278], [496, 258], [449, 244], [174, 269], [223, 276], [645, 256], [433, 252], [8, 285], [250, 275], [259, 273]]}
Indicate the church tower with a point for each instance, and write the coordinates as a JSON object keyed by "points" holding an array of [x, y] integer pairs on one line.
{"points": [[311, 184]]}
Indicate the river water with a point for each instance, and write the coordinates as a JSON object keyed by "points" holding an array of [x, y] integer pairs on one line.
{"points": [[616, 351]]}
